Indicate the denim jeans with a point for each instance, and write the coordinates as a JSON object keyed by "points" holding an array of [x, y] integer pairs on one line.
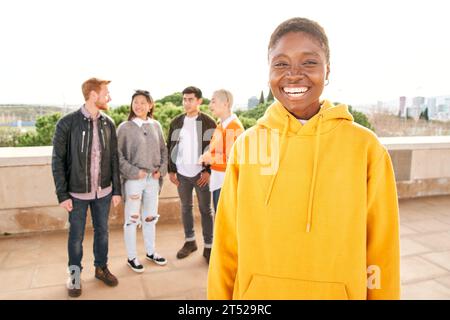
{"points": [[141, 208], [187, 184], [77, 219], [216, 195]]}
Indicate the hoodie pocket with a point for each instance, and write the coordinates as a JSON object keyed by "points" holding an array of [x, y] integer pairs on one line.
{"points": [[267, 287]]}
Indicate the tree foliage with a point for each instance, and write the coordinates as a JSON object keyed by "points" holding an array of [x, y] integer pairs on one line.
{"points": [[165, 111], [261, 98], [176, 99], [270, 97], [360, 118], [119, 114], [424, 115], [43, 136], [254, 113], [9, 137]]}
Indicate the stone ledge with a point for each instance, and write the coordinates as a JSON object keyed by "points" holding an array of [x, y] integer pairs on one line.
{"points": [[416, 143], [53, 218], [25, 156], [423, 187]]}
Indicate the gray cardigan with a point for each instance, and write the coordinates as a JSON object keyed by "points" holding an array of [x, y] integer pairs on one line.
{"points": [[141, 148]]}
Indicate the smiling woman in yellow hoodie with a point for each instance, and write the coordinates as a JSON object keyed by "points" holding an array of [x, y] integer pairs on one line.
{"points": [[308, 209]]}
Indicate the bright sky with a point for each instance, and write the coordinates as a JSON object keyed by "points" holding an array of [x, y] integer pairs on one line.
{"points": [[379, 49]]}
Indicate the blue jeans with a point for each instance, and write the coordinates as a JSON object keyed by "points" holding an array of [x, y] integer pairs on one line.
{"points": [[215, 196], [77, 220]]}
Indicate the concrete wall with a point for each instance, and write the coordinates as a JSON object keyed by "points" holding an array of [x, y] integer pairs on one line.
{"points": [[421, 165], [28, 202]]}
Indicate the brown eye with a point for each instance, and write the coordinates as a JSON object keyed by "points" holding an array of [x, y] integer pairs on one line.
{"points": [[310, 63], [280, 65]]}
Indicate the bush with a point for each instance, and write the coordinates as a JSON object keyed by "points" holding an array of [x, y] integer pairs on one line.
{"points": [[119, 114], [43, 136], [165, 113], [360, 118], [9, 137], [247, 122], [177, 99], [256, 112]]}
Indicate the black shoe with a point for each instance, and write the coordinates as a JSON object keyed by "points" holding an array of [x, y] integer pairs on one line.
{"points": [[188, 248], [156, 258], [135, 265], [207, 254]]}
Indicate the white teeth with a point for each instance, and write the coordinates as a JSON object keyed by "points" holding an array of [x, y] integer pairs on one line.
{"points": [[295, 90]]}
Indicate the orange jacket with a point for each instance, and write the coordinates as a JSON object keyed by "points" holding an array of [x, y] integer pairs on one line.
{"points": [[221, 143]]}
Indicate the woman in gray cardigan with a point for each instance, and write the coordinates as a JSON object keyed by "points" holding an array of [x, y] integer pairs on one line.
{"points": [[143, 161]]}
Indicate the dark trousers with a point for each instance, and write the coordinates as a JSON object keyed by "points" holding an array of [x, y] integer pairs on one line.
{"points": [[185, 188], [216, 195], [77, 219]]}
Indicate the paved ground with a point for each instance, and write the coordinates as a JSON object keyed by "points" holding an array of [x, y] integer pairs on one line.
{"points": [[33, 267]]}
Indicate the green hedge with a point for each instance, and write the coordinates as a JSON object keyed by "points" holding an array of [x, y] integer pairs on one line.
{"points": [[165, 111]]}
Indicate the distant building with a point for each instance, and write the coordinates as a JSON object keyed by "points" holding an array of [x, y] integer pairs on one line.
{"points": [[418, 107], [252, 102], [436, 107], [418, 102], [432, 107], [443, 112], [402, 107], [443, 108], [447, 103]]}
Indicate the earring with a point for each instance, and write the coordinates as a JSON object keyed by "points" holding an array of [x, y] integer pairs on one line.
{"points": [[327, 82]]}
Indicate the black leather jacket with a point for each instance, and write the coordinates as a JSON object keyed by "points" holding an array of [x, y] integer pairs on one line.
{"points": [[71, 159]]}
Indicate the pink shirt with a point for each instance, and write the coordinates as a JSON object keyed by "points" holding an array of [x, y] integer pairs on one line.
{"points": [[96, 156]]}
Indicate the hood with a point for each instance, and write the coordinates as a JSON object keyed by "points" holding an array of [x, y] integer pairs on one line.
{"points": [[278, 118]]}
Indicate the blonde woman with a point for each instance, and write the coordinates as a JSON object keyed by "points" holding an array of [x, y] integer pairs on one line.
{"points": [[228, 129]]}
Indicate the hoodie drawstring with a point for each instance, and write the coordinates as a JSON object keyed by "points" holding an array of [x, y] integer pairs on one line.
{"points": [[313, 181], [314, 173], [283, 141]]}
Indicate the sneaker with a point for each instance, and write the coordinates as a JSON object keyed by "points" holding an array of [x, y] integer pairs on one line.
{"points": [[156, 258], [207, 254], [135, 265], [188, 248], [73, 290], [106, 276]]}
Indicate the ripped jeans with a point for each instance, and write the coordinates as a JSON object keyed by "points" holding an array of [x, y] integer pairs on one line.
{"points": [[141, 209]]}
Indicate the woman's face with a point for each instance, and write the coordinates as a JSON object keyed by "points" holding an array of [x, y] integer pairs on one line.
{"points": [[218, 106], [298, 70], [141, 106]]}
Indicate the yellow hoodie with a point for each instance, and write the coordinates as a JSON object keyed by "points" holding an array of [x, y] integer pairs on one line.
{"points": [[307, 212]]}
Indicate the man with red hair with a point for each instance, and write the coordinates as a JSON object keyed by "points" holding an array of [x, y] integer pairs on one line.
{"points": [[85, 167]]}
